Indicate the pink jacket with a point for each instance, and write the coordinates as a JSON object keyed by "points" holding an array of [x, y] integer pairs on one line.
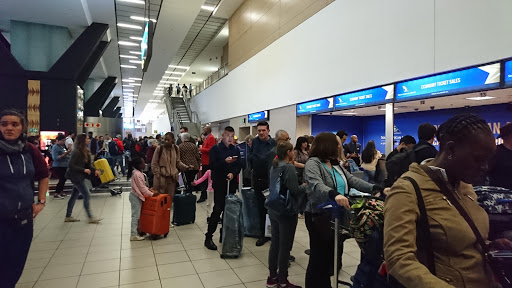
{"points": [[139, 187], [207, 174]]}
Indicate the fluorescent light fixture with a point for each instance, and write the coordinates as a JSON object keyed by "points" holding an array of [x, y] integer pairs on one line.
{"points": [[136, 38], [125, 25], [162, 85], [158, 94], [179, 67], [128, 90], [134, 1], [208, 8], [480, 98], [136, 61], [127, 43], [174, 72], [128, 80], [136, 52], [128, 66], [141, 18], [136, 84], [350, 113], [155, 101], [177, 78], [128, 86], [133, 78], [128, 56]]}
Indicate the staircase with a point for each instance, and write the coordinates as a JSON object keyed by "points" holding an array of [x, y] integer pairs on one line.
{"points": [[180, 114]]}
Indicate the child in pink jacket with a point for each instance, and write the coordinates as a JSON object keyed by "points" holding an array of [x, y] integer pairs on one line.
{"points": [[138, 195], [207, 175]]}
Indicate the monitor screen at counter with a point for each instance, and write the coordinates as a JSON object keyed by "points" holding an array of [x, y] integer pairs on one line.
{"points": [[258, 116], [367, 97], [317, 106], [472, 79], [508, 73]]}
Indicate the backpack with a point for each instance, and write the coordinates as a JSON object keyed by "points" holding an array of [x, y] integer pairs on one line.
{"points": [[399, 164], [113, 149], [281, 202]]}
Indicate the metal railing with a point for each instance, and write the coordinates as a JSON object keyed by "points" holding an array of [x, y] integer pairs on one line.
{"points": [[216, 76]]}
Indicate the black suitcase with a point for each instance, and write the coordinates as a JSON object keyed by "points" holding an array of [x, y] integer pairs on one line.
{"points": [[184, 209]]}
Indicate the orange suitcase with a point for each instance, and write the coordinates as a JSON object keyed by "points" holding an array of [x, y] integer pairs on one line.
{"points": [[155, 215]]}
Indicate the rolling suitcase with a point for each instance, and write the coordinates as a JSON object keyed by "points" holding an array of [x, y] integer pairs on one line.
{"points": [[155, 215], [106, 174], [232, 227], [251, 213], [184, 209]]}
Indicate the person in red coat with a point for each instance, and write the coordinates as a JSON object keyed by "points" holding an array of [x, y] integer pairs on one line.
{"points": [[209, 142]]}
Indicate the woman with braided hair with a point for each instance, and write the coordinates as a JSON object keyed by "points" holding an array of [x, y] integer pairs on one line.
{"points": [[447, 252]]}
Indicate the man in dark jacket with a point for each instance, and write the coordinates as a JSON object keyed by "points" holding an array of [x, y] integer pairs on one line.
{"points": [[406, 143], [353, 150], [261, 155], [225, 166], [426, 134], [500, 167]]}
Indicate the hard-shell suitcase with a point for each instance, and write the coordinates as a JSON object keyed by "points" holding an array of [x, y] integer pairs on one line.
{"points": [[184, 209], [232, 227], [106, 174], [155, 215], [251, 213]]}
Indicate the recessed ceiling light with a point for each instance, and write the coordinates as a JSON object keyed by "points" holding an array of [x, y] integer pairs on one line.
{"points": [[136, 84], [179, 67], [141, 18], [128, 66], [136, 61], [128, 80], [136, 52], [128, 90], [208, 8], [128, 86], [126, 43], [174, 72], [350, 113], [125, 25], [134, 1], [128, 56], [136, 38], [480, 98], [133, 78]]}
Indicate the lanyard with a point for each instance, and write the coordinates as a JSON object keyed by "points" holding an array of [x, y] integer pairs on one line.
{"points": [[333, 176]]}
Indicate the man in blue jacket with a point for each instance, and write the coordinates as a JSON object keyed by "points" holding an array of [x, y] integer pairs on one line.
{"points": [[261, 155], [225, 165]]}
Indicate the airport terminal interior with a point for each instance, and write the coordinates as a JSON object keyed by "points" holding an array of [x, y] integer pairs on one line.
{"points": [[104, 89]]}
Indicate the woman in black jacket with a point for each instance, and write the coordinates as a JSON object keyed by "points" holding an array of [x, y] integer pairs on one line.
{"points": [[284, 223], [21, 163], [80, 168]]}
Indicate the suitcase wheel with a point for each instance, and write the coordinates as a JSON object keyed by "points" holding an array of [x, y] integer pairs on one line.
{"points": [[165, 235]]}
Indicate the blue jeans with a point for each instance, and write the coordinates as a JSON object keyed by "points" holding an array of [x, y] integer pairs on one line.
{"points": [[136, 206], [79, 187], [369, 176], [119, 159]]}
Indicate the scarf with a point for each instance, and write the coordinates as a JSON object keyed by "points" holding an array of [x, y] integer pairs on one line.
{"points": [[11, 148]]}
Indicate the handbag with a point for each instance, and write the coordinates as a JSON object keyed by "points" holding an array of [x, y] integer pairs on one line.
{"points": [[497, 267]]}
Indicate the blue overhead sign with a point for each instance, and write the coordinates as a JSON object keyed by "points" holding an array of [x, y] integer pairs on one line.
{"points": [[367, 97], [484, 77], [258, 116], [317, 106], [508, 73]]}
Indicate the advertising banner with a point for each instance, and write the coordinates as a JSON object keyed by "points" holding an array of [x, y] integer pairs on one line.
{"points": [[315, 107], [367, 97], [463, 81], [508, 73]]}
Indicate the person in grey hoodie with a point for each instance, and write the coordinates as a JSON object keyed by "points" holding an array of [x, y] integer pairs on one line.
{"points": [[326, 181]]}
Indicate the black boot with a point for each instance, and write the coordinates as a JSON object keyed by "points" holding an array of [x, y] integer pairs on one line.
{"points": [[261, 241], [208, 243]]}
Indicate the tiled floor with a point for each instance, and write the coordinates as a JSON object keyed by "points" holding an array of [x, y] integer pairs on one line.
{"points": [[93, 256]]}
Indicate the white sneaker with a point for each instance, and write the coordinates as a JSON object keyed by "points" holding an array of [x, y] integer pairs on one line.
{"points": [[71, 219], [95, 220], [137, 238]]}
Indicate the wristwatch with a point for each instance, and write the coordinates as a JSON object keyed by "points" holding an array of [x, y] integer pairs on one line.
{"points": [[41, 201]]}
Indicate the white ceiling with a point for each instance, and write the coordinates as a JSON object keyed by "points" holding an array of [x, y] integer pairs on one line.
{"points": [[449, 102]]}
